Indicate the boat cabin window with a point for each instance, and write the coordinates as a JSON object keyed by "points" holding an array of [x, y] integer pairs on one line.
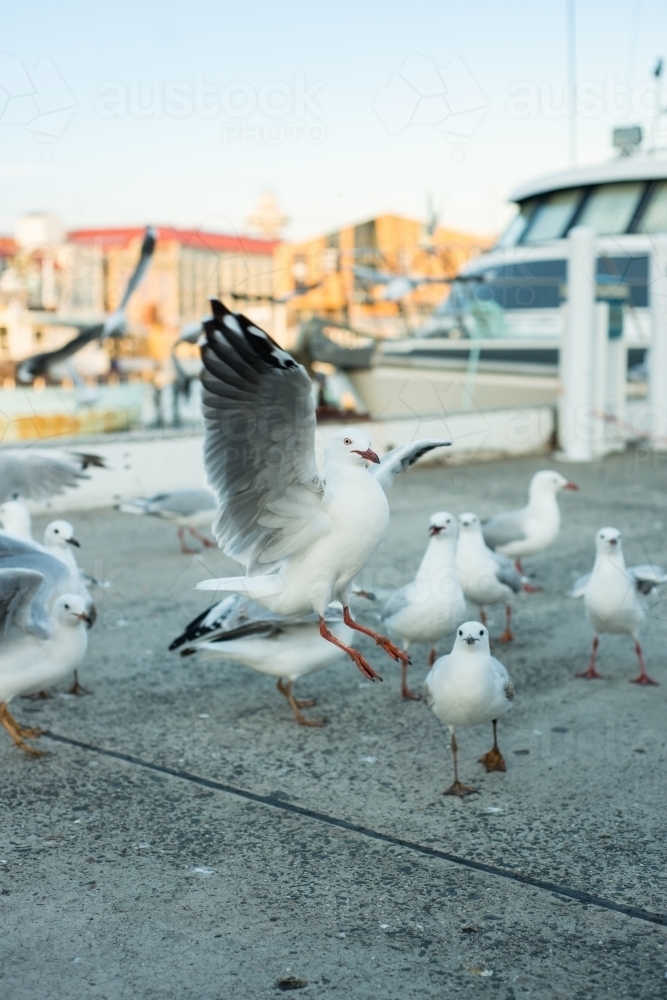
{"points": [[517, 226], [610, 208], [654, 219], [552, 216]]}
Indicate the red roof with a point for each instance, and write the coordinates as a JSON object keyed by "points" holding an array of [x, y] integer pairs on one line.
{"points": [[7, 246], [186, 237]]}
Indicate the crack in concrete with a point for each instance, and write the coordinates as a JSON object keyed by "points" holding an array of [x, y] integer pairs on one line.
{"points": [[274, 801]]}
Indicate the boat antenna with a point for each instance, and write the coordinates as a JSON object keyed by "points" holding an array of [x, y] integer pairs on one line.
{"points": [[572, 81]]}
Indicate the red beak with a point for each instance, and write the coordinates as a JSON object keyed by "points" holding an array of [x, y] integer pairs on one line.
{"points": [[369, 455], [570, 486], [434, 530]]}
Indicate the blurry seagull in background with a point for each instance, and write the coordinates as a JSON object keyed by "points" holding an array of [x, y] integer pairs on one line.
{"points": [[189, 509]]}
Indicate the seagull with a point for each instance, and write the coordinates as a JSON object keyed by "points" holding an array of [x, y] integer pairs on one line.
{"points": [[518, 533], [485, 576], [189, 509], [32, 657], [467, 688], [301, 538], [613, 597], [286, 648], [38, 475], [58, 541], [431, 605]]}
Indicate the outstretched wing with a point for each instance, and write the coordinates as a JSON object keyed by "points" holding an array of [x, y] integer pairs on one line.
{"points": [[18, 588], [647, 577], [503, 529], [36, 475], [401, 458], [259, 446]]}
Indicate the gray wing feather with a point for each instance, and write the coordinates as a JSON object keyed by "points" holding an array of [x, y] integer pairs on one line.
{"points": [[503, 529], [17, 554], [259, 445], [18, 588], [36, 475], [401, 458], [580, 585], [507, 573], [237, 616], [647, 577]]}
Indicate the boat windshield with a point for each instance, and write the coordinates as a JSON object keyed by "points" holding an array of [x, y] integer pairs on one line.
{"points": [[654, 219], [517, 226], [552, 216], [610, 208]]}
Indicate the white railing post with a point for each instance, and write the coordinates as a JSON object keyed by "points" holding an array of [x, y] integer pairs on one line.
{"points": [[657, 366], [577, 355]]}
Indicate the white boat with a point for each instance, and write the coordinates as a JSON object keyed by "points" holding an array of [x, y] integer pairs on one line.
{"points": [[510, 298]]}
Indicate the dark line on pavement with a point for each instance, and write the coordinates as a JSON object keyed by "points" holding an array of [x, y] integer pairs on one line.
{"points": [[384, 838]]}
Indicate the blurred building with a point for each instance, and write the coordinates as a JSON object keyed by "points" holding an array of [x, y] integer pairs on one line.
{"points": [[332, 275], [53, 283]]}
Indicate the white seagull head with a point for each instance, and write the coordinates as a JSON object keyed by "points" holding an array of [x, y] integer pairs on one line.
{"points": [[549, 482], [608, 541], [469, 524], [60, 533], [443, 525], [472, 637], [350, 447], [70, 609]]}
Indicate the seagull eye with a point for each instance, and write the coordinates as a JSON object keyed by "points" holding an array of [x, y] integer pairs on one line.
{"points": [[460, 631], [347, 440], [482, 632], [67, 607]]}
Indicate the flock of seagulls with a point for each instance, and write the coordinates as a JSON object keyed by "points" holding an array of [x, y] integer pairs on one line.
{"points": [[302, 537]]}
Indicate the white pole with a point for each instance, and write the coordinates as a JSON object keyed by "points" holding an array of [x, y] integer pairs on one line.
{"points": [[578, 351], [657, 374]]}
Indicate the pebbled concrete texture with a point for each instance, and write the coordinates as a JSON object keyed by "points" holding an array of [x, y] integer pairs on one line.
{"points": [[122, 882]]}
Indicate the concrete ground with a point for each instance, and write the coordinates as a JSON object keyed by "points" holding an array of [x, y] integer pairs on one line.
{"points": [[191, 842]]}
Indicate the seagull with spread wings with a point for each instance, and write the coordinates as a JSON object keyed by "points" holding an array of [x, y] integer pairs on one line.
{"points": [[301, 537]]}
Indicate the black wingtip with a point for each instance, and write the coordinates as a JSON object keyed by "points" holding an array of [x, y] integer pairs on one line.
{"points": [[219, 309]]}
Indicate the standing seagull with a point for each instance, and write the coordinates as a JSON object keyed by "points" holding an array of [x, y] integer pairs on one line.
{"points": [[613, 597], [32, 657], [58, 541], [535, 527], [467, 688], [431, 605], [189, 509], [302, 538], [285, 648], [486, 576]]}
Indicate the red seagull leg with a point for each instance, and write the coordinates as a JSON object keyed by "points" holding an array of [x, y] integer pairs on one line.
{"points": [[507, 635], [518, 566], [390, 648], [592, 674], [643, 677], [184, 549], [355, 656], [206, 542]]}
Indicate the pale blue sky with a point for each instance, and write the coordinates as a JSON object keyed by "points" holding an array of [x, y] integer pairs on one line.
{"points": [[332, 160]]}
